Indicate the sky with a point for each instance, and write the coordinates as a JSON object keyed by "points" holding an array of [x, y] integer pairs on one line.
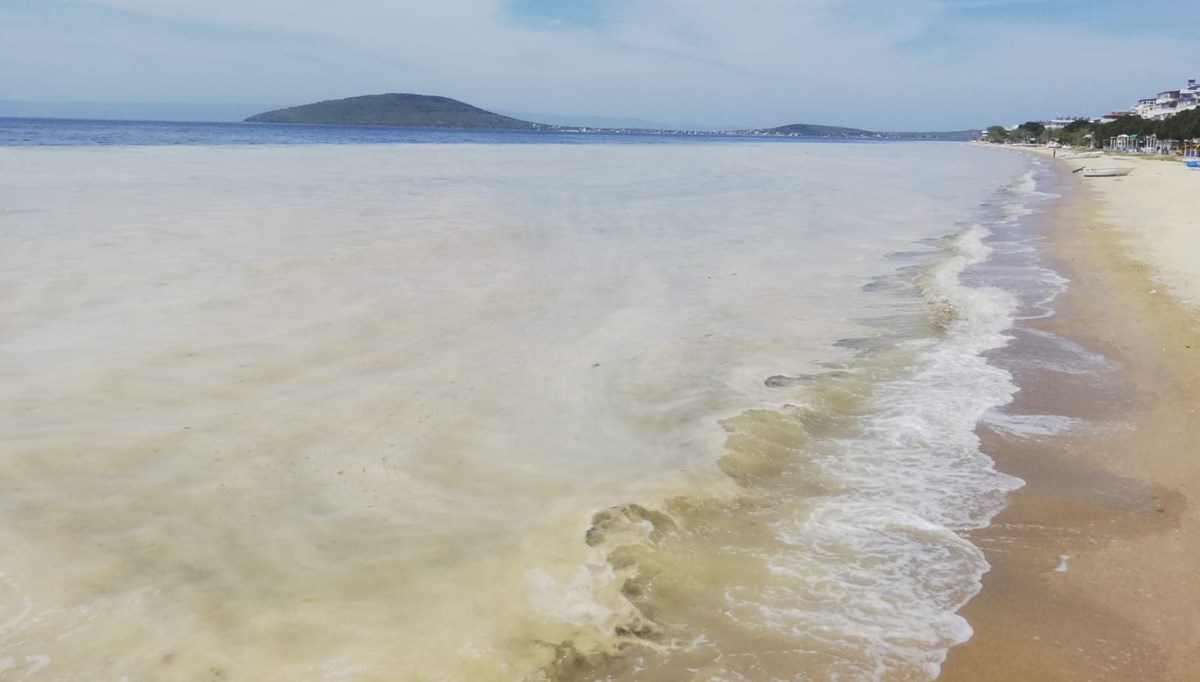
{"points": [[875, 64]]}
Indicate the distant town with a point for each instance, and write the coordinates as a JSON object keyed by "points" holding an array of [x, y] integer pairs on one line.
{"points": [[1168, 123]]}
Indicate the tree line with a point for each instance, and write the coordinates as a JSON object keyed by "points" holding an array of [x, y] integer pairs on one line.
{"points": [[1182, 126]]}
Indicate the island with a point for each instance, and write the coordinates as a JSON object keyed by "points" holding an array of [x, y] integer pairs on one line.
{"points": [[394, 109]]}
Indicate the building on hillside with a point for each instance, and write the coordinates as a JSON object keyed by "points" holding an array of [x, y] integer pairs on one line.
{"points": [[1168, 102], [1189, 97], [1111, 116]]}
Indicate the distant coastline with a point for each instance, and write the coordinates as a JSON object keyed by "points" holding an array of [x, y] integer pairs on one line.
{"points": [[400, 110], [39, 132], [431, 111]]}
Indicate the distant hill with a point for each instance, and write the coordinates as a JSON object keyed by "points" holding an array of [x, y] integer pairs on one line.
{"points": [[394, 109], [812, 130]]}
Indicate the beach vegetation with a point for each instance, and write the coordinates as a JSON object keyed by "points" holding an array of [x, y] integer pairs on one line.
{"points": [[1082, 133], [1032, 128], [1182, 126], [1127, 125]]}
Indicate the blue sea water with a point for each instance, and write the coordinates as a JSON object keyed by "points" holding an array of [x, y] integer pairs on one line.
{"points": [[39, 132]]}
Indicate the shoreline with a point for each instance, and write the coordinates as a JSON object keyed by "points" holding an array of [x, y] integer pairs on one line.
{"points": [[1093, 561]]}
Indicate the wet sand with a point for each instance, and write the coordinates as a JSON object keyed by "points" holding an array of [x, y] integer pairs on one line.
{"points": [[1113, 506]]}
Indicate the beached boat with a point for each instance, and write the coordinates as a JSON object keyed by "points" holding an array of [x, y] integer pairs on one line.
{"points": [[1083, 155], [1109, 172]]}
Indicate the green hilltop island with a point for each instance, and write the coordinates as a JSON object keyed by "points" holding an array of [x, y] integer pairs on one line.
{"points": [[395, 109], [812, 130], [431, 111]]}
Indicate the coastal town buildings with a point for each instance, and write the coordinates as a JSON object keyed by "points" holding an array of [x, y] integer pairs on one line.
{"points": [[1168, 102], [1144, 130], [1162, 106]]}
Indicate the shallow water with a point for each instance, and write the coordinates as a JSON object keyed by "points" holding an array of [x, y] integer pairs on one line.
{"points": [[472, 412]]}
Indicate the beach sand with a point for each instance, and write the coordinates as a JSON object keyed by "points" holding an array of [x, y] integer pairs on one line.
{"points": [[1095, 561]]}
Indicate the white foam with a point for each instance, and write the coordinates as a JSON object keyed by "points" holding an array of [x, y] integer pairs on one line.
{"points": [[586, 598], [880, 566], [867, 577], [1031, 425], [919, 449]]}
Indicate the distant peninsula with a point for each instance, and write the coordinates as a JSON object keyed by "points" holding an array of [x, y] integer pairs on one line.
{"points": [[811, 130], [394, 109], [431, 111]]}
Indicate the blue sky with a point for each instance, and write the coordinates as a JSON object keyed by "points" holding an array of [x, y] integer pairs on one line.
{"points": [[880, 64]]}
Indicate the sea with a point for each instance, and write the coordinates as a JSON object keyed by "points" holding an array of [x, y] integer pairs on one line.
{"points": [[345, 403]]}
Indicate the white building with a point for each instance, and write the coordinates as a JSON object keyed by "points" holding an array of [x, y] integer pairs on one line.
{"points": [[1189, 97], [1169, 102], [1062, 122]]}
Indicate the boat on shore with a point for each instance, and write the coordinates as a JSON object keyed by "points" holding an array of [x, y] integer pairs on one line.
{"points": [[1107, 172], [1083, 155]]}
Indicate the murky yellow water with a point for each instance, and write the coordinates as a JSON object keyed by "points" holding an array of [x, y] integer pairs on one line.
{"points": [[379, 413]]}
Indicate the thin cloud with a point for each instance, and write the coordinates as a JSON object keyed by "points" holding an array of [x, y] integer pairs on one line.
{"points": [[865, 63]]}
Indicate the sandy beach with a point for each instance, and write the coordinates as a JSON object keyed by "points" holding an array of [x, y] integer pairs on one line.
{"points": [[1094, 561]]}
